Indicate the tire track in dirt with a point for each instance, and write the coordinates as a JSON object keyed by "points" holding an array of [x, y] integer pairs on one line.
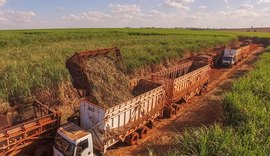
{"points": [[199, 111]]}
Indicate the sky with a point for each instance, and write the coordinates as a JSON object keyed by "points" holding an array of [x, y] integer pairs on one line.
{"points": [[36, 14]]}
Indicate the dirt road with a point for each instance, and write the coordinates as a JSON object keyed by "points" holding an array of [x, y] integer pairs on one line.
{"points": [[199, 111]]}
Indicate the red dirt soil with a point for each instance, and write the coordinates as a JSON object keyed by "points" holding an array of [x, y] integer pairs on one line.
{"points": [[199, 111]]}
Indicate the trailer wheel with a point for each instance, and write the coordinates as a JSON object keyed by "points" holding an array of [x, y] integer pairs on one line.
{"points": [[176, 107], [132, 139], [172, 113], [150, 125], [203, 90], [143, 132]]}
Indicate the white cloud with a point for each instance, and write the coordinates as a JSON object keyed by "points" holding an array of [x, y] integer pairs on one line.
{"points": [[125, 9], [203, 7], [88, 16], [266, 10], [3, 2], [181, 4], [226, 1], [246, 7], [24, 16], [10, 19], [240, 13], [18, 16], [264, 1], [157, 13], [119, 15], [2, 19], [132, 16]]}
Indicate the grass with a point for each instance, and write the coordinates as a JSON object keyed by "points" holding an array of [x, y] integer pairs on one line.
{"points": [[35, 59], [247, 111]]}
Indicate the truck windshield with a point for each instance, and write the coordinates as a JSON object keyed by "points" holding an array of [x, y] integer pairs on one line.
{"points": [[63, 145], [227, 58]]}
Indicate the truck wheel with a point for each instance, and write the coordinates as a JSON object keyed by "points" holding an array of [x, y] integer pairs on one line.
{"points": [[176, 107], [43, 151], [143, 132], [133, 139], [172, 113], [203, 90], [150, 125]]}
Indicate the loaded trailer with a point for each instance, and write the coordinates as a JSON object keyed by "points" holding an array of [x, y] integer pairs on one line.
{"points": [[182, 82], [100, 128], [33, 123]]}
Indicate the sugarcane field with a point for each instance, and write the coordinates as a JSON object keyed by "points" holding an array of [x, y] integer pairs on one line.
{"points": [[120, 78]]}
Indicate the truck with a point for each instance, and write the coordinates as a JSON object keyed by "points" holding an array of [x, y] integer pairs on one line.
{"points": [[99, 128], [181, 83], [30, 124], [234, 55]]}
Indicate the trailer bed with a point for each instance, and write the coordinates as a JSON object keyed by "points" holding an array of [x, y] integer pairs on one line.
{"points": [[42, 124], [109, 126], [183, 81]]}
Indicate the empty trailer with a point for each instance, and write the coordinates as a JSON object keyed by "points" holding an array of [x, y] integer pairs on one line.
{"points": [[36, 124], [182, 82]]}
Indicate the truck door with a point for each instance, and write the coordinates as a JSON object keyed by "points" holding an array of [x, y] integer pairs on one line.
{"points": [[83, 149]]}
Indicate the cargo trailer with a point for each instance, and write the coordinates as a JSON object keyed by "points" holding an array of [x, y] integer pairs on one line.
{"points": [[182, 82], [100, 128], [35, 123]]}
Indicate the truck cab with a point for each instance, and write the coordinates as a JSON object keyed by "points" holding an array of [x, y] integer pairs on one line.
{"points": [[229, 57], [72, 140], [228, 60]]}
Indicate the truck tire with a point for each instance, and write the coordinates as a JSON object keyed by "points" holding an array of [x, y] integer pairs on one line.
{"points": [[176, 107], [132, 139], [43, 151], [143, 132], [169, 112], [172, 113], [203, 90]]}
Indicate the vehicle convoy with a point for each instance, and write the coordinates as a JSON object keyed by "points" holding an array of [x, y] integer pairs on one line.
{"points": [[94, 128], [235, 54], [99, 128], [35, 123]]}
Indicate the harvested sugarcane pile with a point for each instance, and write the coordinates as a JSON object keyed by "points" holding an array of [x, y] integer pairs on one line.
{"points": [[109, 86]]}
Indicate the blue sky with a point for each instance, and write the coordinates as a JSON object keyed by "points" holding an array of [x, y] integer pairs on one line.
{"points": [[24, 14]]}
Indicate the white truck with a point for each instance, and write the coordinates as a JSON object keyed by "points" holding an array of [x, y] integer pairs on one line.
{"points": [[100, 128], [232, 56], [229, 57]]}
